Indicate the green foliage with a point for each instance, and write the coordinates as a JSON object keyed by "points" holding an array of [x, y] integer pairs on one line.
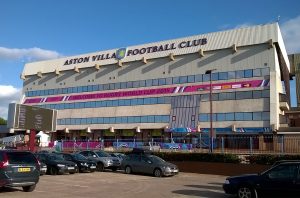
{"points": [[270, 159], [2, 121]]}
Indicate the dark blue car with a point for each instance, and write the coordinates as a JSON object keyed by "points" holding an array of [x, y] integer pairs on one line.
{"points": [[282, 180]]}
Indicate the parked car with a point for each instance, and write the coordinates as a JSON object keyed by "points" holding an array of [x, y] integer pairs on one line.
{"points": [[43, 168], [148, 164], [56, 164], [103, 160], [120, 156], [19, 169], [83, 163], [280, 180]]}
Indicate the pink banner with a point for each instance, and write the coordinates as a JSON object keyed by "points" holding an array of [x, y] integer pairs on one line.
{"points": [[149, 92]]}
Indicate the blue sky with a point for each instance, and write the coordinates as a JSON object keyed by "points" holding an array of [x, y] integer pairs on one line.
{"points": [[35, 30]]}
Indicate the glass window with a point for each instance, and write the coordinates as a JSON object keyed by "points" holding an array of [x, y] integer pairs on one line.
{"points": [[112, 120], [42, 92], [147, 101], [223, 76], [215, 97], [130, 119], [169, 81], [229, 116], [206, 77], [199, 78], [133, 102], [136, 84], [106, 87], [183, 79], [162, 81], [100, 120], [221, 117], [121, 102], [105, 120], [191, 79], [87, 104], [265, 116], [112, 86], [284, 172], [257, 72], [129, 84], [46, 92], [124, 119], [123, 85], [153, 100], [118, 120], [239, 116], [89, 120], [117, 85], [100, 87], [257, 116], [157, 119], [85, 88], [109, 103], [72, 105], [257, 94], [175, 80], [240, 74], [248, 73], [265, 93], [167, 100], [90, 88], [115, 103], [231, 75], [265, 72], [137, 119], [94, 120], [149, 83], [248, 116], [165, 119], [151, 119], [127, 102], [142, 83], [214, 76], [160, 100], [83, 121], [203, 117], [73, 122], [155, 82], [144, 119], [140, 101], [243, 95], [205, 97]]}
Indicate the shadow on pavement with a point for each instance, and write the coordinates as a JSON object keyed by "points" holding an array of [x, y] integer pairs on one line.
{"points": [[201, 193], [6, 189], [206, 187]]}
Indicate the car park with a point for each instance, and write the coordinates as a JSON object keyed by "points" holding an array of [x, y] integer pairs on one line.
{"points": [[281, 180], [83, 163], [19, 169], [138, 162], [103, 160], [56, 164]]}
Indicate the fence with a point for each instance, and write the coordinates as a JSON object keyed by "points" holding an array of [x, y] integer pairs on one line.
{"points": [[273, 144]]}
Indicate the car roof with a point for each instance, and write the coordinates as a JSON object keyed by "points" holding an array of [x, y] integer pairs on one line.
{"points": [[286, 162]]}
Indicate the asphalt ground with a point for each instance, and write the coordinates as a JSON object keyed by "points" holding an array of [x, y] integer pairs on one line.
{"points": [[118, 184]]}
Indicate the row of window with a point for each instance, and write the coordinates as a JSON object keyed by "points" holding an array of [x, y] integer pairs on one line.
{"points": [[235, 116], [155, 82], [158, 100], [115, 120]]}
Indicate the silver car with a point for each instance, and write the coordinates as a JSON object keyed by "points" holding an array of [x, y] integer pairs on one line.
{"points": [[148, 164], [103, 160]]}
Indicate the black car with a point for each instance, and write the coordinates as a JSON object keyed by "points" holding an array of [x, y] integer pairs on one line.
{"points": [[43, 168], [56, 164], [19, 169], [84, 164], [281, 180]]}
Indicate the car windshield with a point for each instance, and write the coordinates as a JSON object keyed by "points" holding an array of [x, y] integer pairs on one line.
{"points": [[79, 157], [156, 159], [102, 154], [55, 157]]}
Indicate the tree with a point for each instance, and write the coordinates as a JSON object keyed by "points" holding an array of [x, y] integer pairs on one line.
{"points": [[2, 121]]}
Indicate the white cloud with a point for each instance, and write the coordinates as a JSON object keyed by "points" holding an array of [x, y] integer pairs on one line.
{"points": [[8, 94], [291, 34], [30, 54], [244, 25]]}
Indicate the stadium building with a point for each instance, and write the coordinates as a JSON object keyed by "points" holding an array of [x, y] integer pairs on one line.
{"points": [[162, 89]]}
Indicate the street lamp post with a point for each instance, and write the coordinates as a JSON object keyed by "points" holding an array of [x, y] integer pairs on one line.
{"points": [[211, 138]]}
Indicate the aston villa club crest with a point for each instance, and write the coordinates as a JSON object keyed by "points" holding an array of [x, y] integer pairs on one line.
{"points": [[121, 53]]}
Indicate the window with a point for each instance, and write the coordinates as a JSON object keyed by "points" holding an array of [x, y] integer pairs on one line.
{"points": [[124, 119], [151, 119], [123, 85], [243, 95], [142, 83], [221, 117], [118, 120], [191, 79], [136, 84], [203, 117], [169, 81], [112, 120], [149, 83], [144, 119], [162, 81], [204, 97], [112, 86], [90, 88], [105, 120], [257, 94], [223, 76], [231, 75], [129, 84], [239, 116], [106, 87], [175, 80], [183, 79], [257, 116], [214, 76], [257, 72], [100, 87], [130, 119], [240, 74], [247, 116], [265, 72], [137, 119], [266, 94], [199, 78], [155, 82], [229, 116], [206, 77], [284, 171], [117, 85], [265, 116], [248, 73]]}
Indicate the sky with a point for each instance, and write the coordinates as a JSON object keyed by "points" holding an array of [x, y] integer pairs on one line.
{"points": [[32, 30]]}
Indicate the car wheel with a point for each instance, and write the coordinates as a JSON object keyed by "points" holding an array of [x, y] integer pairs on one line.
{"points": [[114, 169], [157, 172], [100, 167], [246, 192], [128, 170], [53, 171], [28, 188]]}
